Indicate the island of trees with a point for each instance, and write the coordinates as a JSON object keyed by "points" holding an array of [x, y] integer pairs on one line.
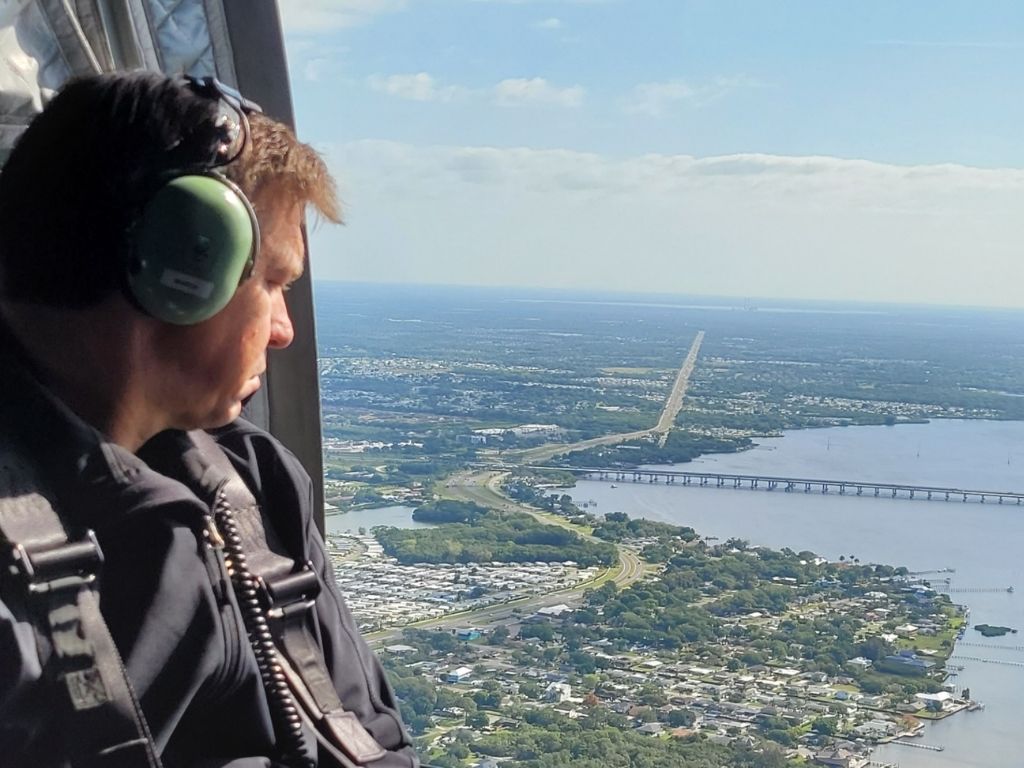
{"points": [[475, 534], [989, 630]]}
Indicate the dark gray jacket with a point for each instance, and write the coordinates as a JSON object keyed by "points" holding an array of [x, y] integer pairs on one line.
{"points": [[164, 594]]}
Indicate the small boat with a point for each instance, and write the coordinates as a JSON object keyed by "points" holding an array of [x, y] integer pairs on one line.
{"points": [[614, 485]]}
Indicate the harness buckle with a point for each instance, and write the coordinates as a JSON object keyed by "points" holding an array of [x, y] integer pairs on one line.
{"points": [[67, 565], [292, 594]]}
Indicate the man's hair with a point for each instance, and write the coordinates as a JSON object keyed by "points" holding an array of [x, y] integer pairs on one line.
{"points": [[81, 173], [274, 159]]}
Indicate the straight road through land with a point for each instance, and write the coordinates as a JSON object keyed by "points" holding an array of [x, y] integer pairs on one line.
{"points": [[673, 403], [675, 398]]}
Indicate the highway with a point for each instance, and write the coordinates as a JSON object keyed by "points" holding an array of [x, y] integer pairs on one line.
{"points": [[667, 419], [675, 398]]}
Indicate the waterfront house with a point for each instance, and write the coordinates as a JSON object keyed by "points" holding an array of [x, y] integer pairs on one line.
{"points": [[840, 757], [907, 662], [876, 729], [935, 702]]}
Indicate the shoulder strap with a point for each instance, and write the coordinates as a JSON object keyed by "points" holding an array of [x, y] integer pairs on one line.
{"points": [[286, 592], [52, 577]]}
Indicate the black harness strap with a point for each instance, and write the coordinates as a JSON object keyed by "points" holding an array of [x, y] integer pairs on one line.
{"points": [[289, 590], [53, 579]]}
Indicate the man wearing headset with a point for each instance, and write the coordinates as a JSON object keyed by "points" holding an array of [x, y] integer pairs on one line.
{"points": [[139, 293]]}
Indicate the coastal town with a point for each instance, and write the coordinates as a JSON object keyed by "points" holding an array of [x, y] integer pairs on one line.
{"points": [[776, 652], [709, 653]]}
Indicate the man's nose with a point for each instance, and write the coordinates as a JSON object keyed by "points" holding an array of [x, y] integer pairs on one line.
{"points": [[281, 330]]}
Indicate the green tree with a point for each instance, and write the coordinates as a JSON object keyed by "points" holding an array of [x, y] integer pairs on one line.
{"points": [[826, 726]]}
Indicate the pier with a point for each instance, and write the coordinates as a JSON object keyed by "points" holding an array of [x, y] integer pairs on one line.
{"points": [[930, 747], [967, 644], [790, 484], [988, 661]]}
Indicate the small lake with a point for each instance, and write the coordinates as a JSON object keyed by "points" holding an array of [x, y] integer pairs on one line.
{"points": [[350, 522], [984, 542]]}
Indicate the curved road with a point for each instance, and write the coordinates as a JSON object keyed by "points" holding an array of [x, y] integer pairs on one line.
{"points": [[483, 488], [631, 569]]}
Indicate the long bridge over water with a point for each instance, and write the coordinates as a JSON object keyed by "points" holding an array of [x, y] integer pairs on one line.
{"points": [[793, 484]]}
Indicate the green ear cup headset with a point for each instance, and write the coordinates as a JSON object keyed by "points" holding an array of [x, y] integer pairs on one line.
{"points": [[197, 237]]}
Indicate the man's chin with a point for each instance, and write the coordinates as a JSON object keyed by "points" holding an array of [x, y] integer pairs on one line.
{"points": [[224, 417]]}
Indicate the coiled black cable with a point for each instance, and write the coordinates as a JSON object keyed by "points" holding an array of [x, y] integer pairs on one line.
{"points": [[283, 710]]}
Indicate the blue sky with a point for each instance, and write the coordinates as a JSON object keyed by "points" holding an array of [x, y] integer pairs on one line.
{"points": [[841, 150]]}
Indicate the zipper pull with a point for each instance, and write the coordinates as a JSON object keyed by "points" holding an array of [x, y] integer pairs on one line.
{"points": [[211, 534]]}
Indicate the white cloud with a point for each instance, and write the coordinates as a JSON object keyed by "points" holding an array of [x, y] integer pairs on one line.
{"points": [[747, 224], [313, 16], [315, 69], [655, 99], [416, 87], [319, 62], [550, 23], [520, 91], [512, 92]]}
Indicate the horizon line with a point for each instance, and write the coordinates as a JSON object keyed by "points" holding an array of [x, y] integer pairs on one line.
{"points": [[740, 301]]}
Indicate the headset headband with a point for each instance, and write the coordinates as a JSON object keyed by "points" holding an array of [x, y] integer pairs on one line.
{"points": [[232, 121]]}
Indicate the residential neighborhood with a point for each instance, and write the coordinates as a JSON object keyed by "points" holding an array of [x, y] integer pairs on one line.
{"points": [[749, 683]]}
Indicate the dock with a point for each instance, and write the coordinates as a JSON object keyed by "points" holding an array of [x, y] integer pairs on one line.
{"points": [[988, 661], [915, 745], [968, 644]]}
